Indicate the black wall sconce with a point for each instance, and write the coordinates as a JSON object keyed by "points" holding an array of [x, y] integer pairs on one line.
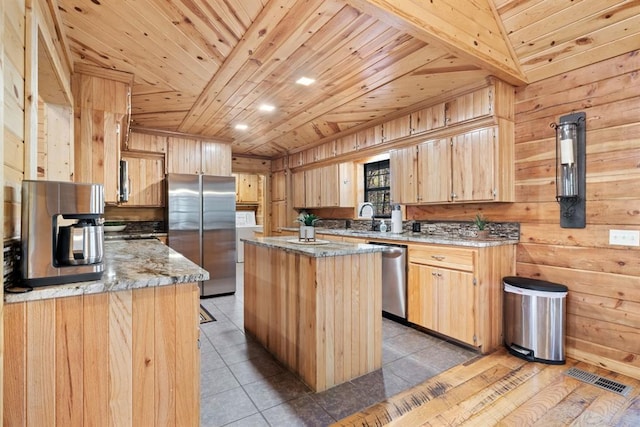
{"points": [[571, 173]]}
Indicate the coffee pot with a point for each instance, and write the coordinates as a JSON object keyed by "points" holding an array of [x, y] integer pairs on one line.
{"points": [[80, 243], [62, 232]]}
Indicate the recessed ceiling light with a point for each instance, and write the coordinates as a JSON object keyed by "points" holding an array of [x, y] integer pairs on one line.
{"points": [[242, 127], [305, 81], [267, 107]]}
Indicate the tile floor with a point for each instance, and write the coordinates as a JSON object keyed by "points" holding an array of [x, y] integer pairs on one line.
{"points": [[242, 385]]}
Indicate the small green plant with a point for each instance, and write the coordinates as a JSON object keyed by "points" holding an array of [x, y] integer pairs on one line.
{"points": [[308, 219], [480, 221]]}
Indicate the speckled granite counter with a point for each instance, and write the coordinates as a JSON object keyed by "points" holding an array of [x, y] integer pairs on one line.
{"points": [[410, 237], [129, 264], [318, 249]]}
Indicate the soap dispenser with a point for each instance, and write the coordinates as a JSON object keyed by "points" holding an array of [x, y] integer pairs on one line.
{"points": [[383, 226]]}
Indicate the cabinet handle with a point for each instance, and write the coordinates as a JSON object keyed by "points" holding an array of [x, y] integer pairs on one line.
{"points": [[433, 273], [439, 274], [438, 257]]}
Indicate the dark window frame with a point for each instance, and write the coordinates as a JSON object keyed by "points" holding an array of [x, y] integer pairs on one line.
{"points": [[382, 169]]}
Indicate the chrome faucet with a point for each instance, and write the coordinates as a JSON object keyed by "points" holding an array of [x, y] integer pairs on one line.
{"points": [[373, 213], [364, 205]]}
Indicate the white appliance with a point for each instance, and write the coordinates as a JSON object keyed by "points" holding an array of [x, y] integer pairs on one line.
{"points": [[245, 226]]}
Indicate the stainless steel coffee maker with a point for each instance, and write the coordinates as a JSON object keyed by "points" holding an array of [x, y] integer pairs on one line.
{"points": [[62, 232]]}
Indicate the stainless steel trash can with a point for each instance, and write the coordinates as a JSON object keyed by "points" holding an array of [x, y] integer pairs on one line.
{"points": [[534, 319]]}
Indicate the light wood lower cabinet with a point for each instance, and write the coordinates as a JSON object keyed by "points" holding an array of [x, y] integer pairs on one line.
{"points": [[457, 291], [127, 358], [321, 317]]}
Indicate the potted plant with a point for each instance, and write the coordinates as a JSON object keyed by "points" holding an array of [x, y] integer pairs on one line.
{"points": [[481, 222], [307, 226]]}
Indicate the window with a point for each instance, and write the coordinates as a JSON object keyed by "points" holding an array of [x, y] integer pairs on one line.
{"points": [[377, 186]]}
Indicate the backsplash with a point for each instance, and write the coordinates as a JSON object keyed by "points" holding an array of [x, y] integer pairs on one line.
{"points": [[141, 227], [504, 230], [11, 261]]}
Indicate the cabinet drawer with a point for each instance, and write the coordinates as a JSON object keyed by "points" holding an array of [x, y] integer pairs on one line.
{"points": [[446, 257]]}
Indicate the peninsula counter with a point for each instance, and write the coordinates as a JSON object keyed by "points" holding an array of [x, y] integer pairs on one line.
{"points": [[315, 307], [121, 351]]}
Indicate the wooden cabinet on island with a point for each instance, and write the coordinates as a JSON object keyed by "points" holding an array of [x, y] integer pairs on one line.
{"points": [[457, 291], [316, 308], [120, 351]]}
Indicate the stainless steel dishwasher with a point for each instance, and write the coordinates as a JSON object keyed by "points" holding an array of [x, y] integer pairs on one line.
{"points": [[394, 279]]}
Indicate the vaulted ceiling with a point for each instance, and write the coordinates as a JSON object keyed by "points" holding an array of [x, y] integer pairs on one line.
{"points": [[203, 66]]}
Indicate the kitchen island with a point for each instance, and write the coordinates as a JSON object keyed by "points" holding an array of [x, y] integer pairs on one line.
{"points": [[315, 306], [122, 350]]}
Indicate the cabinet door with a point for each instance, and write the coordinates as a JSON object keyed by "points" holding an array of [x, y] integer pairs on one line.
{"points": [[369, 137], [404, 179], [146, 180], [427, 119], [298, 188], [215, 158], [146, 142], [456, 302], [246, 188], [279, 216], [473, 166], [313, 188], [422, 306], [346, 185], [473, 105], [396, 128], [183, 156], [278, 186], [434, 171]]}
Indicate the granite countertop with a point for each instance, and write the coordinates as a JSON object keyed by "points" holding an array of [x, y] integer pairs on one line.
{"points": [[128, 264], [411, 237], [318, 249]]}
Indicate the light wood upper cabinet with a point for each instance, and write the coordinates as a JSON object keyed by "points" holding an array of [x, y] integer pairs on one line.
{"points": [[428, 119], [470, 106], [470, 167], [100, 115], [192, 156], [369, 137], [326, 186], [434, 171], [246, 188], [421, 174], [403, 163], [146, 142], [482, 165], [457, 291], [396, 128], [146, 178], [278, 186], [298, 198]]}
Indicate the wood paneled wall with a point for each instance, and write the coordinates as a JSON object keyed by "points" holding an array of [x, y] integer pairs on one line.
{"points": [[603, 324], [55, 142]]}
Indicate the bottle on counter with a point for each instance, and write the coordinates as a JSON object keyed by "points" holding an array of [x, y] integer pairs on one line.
{"points": [[383, 226]]}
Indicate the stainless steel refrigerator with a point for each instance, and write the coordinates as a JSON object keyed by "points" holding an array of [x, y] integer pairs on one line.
{"points": [[201, 225]]}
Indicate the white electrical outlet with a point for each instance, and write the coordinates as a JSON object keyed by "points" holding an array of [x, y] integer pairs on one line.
{"points": [[624, 237]]}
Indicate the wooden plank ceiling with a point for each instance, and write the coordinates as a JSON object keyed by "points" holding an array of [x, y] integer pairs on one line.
{"points": [[203, 66]]}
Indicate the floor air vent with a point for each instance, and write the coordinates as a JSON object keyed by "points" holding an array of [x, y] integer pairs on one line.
{"points": [[599, 381]]}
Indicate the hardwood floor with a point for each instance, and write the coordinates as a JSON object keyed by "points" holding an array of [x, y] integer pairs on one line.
{"points": [[500, 389]]}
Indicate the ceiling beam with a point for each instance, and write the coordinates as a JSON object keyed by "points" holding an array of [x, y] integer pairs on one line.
{"points": [[469, 29]]}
